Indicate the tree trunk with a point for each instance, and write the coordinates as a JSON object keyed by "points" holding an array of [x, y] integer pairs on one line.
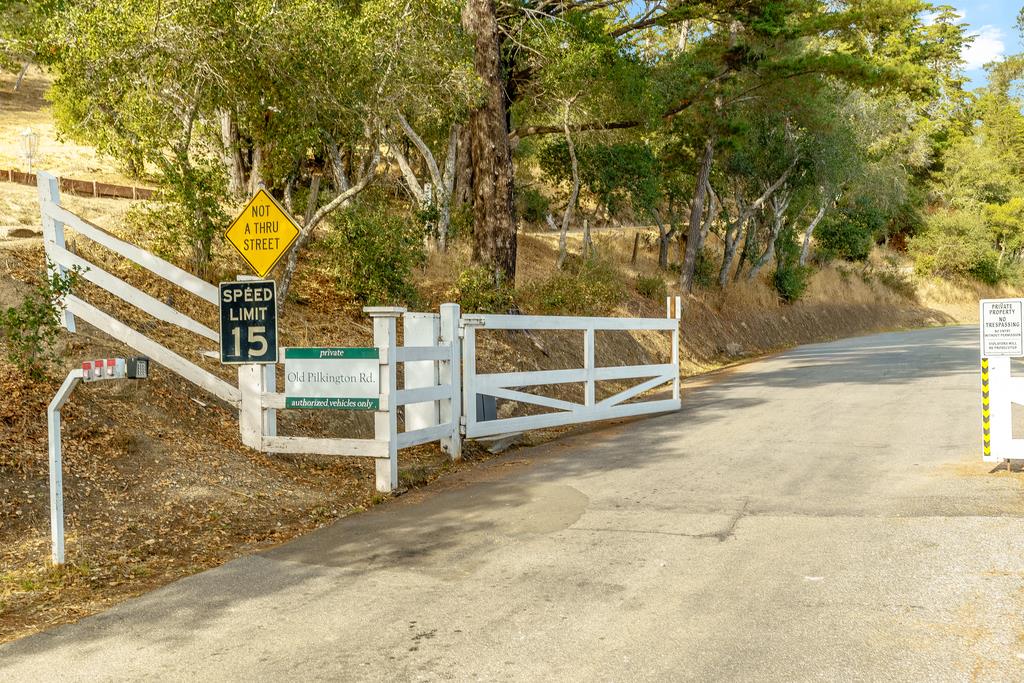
{"points": [[494, 226], [753, 226], [693, 241], [573, 196], [232, 154], [664, 238], [588, 244], [805, 250], [256, 172], [21, 75], [449, 188], [733, 231], [780, 203], [463, 193]]}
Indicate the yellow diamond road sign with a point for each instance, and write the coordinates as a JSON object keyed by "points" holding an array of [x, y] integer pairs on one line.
{"points": [[262, 233]]}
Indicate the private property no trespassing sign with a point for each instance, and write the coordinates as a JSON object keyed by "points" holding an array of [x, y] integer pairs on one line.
{"points": [[1002, 332]]}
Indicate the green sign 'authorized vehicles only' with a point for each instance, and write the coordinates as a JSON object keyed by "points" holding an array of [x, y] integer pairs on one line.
{"points": [[339, 378]]}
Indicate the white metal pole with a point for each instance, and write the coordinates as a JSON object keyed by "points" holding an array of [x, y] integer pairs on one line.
{"points": [[56, 475]]}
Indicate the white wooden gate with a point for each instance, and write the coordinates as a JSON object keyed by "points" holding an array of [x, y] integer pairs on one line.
{"points": [[509, 385]]}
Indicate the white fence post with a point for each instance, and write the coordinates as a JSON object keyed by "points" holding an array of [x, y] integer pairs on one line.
{"points": [[250, 407], [449, 372], [675, 340], [469, 373], [270, 386], [420, 329], [385, 420], [589, 355], [53, 232]]}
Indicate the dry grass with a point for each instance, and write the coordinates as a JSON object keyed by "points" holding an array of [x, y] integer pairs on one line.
{"points": [[28, 108], [959, 299], [19, 208]]}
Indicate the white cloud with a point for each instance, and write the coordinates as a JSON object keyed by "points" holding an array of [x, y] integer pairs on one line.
{"points": [[987, 47]]}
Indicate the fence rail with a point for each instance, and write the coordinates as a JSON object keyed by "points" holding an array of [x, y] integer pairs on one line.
{"points": [[56, 220], [80, 188]]}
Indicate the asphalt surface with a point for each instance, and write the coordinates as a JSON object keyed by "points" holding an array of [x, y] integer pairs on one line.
{"points": [[820, 515]]}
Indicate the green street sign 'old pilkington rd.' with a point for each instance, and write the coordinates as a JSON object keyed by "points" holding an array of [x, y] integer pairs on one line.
{"points": [[338, 378]]}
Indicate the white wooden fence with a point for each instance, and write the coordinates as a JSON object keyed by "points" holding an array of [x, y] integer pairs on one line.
{"points": [[56, 219], [437, 362]]}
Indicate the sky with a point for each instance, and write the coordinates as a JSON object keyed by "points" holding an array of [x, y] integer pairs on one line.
{"points": [[991, 22]]}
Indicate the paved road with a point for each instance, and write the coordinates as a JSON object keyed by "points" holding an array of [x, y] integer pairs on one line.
{"points": [[821, 515]]}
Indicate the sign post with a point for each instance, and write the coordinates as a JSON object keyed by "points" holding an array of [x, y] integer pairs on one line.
{"points": [[1002, 339]]}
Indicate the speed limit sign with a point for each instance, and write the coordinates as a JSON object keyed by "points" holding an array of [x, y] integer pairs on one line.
{"points": [[248, 322]]}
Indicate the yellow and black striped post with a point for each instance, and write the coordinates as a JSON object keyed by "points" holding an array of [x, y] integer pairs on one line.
{"points": [[986, 427]]}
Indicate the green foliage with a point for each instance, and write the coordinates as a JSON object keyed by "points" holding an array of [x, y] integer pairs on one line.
{"points": [[475, 292], [705, 272], [185, 216], [791, 282], [956, 244], [30, 330], [892, 277], [24, 31], [651, 287], [533, 205], [847, 234], [790, 278], [616, 174], [371, 254], [584, 286]]}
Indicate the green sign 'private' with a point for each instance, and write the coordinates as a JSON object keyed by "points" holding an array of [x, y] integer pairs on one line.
{"points": [[337, 378]]}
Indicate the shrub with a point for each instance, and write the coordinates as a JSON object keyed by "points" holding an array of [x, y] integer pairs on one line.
{"points": [[790, 278], [476, 293], [583, 287], [372, 253], [956, 244], [705, 272], [843, 236], [791, 282], [185, 217], [651, 287], [30, 330]]}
